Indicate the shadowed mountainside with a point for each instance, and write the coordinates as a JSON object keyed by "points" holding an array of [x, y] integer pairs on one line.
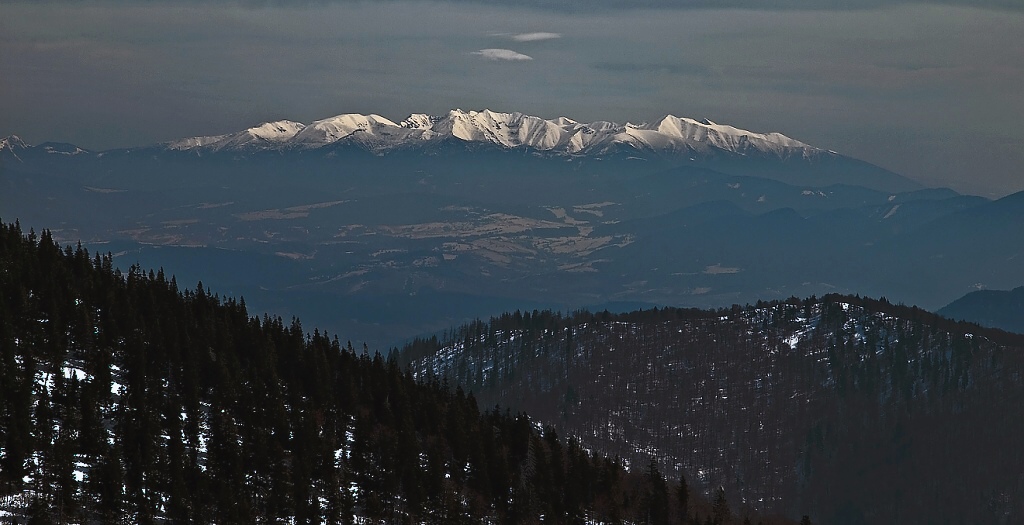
{"points": [[857, 410]]}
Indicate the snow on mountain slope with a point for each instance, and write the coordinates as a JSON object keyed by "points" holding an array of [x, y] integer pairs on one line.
{"points": [[508, 129], [727, 137], [12, 143], [565, 136], [10, 146], [266, 135], [61, 148], [277, 131], [192, 143], [339, 127]]}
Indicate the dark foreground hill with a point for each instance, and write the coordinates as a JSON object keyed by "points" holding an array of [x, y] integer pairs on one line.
{"points": [[856, 410], [125, 399]]}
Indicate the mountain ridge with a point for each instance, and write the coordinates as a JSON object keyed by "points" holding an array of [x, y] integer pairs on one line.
{"points": [[837, 402], [665, 143], [562, 135], [1000, 309]]}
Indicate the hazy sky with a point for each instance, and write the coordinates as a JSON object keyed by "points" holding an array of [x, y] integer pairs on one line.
{"points": [[933, 91]]}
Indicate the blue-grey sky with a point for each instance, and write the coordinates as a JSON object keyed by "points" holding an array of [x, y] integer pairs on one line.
{"points": [[930, 90]]}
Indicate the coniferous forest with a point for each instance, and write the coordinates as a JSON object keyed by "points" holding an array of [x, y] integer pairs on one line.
{"points": [[854, 410], [126, 399]]}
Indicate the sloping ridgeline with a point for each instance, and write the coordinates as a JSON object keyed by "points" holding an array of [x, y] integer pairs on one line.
{"points": [[855, 410], [123, 399]]}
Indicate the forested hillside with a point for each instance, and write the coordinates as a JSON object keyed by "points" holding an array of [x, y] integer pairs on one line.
{"points": [[855, 410], [126, 399]]}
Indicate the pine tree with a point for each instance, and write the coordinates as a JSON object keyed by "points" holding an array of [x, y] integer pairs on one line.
{"points": [[683, 498], [657, 495], [720, 508]]}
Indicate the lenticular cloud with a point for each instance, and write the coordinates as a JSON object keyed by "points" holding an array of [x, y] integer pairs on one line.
{"points": [[502, 54], [531, 37]]}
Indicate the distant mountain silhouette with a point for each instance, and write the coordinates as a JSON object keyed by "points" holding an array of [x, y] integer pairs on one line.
{"points": [[993, 308]]}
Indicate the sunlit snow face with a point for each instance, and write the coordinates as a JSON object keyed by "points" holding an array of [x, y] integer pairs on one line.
{"points": [[912, 88]]}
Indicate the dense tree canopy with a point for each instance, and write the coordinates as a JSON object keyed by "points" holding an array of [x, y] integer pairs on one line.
{"points": [[851, 409], [126, 399]]}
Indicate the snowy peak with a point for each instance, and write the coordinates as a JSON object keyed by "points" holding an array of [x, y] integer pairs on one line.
{"points": [[258, 137], [507, 129], [727, 137], [12, 144], [340, 127], [560, 136], [263, 136], [276, 131], [420, 121]]}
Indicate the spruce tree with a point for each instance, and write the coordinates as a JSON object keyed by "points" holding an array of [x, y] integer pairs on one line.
{"points": [[683, 498]]}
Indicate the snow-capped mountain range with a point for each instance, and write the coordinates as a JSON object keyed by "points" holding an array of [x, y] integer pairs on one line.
{"points": [[560, 136], [668, 143]]}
